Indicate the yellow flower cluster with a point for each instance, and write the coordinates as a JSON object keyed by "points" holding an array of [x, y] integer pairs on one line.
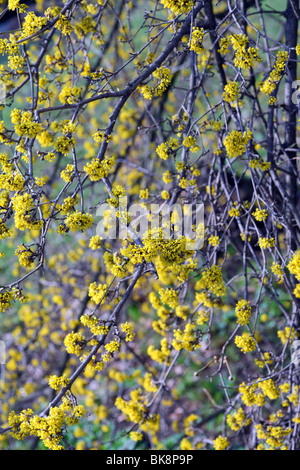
{"points": [[9, 180], [95, 242], [188, 424], [4, 196], [117, 192], [64, 143], [98, 364], [92, 322], [86, 25], [160, 325], [160, 355], [100, 136], [127, 328], [196, 40], [31, 24], [245, 342], [117, 266], [287, 335], [25, 124], [188, 339], [221, 443], [144, 193], [260, 214], [269, 389], [64, 25], [167, 177], [22, 206], [69, 95], [243, 312], [4, 231], [79, 221], [97, 169], [6, 299], [245, 57], [234, 211], [74, 343], [202, 316], [236, 143], [178, 6], [254, 394], [224, 45], [264, 242], [136, 436], [14, 4], [260, 164], [267, 359], [12, 49], [212, 280], [67, 173], [271, 83], [273, 436], [164, 78], [231, 92], [237, 420], [166, 149], [97, 292], [251, 395], [189, 142], [169, 296], [47, 428], [25, 255], [57, 383], [68, 205], [294, 265], [135, 411], [214, 240], [166, 253]]}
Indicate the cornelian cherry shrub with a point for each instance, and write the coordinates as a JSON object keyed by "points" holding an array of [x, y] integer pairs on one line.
{"points": [[149, 225]]}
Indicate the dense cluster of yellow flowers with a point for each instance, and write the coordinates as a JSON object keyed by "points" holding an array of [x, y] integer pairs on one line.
{"points": [[231, 92], [270, 84], [97, 170], [166, 149], [135, 410], [273, 437], [196, 40], [212, 280], [50, 428], [236, 143], [245, 56], [266, 242], [260, 164], [243, 312], [23, 206], [79, 221], [164, 78], [245, 342], [237, 420], [178, 6], [221, 443], [24, 123], [162, 330]]}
